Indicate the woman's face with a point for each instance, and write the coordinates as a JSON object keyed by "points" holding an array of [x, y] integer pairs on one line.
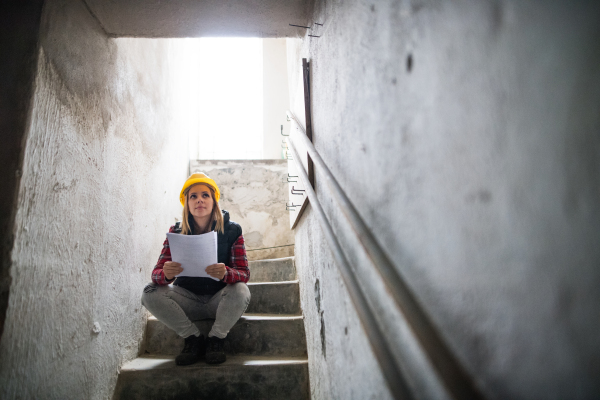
{"points": [[200, 201]]}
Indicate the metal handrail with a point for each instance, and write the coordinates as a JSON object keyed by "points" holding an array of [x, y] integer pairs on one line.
{"points": [[389, 366], [457, 381]]}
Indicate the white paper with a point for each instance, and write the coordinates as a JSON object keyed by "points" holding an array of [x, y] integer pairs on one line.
{"points": [[194, 252]]}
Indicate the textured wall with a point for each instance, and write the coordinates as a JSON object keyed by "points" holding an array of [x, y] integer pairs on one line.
{"points": [[101, 153], [254, 193], [19, 30], [191, 18], [467, 135]]}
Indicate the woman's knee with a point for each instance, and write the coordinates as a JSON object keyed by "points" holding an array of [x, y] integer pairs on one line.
{"points": [[240, 291], [152, 294]]}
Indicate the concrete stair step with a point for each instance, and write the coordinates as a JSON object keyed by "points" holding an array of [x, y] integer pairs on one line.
{"points": [[253, 334], [240, 377], [274, 270], [274, 298]]}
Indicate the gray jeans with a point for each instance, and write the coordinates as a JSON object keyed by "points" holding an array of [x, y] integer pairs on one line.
{"points": [[177, 307]]}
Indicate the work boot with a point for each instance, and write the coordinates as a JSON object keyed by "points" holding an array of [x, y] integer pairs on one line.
{"points": [[192, 351], [214, 350]]}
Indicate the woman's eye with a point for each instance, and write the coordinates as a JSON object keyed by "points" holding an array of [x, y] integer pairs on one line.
{"points": [[205, 195]]}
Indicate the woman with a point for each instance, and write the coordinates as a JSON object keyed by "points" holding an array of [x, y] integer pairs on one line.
{"points": [[190, 299]]}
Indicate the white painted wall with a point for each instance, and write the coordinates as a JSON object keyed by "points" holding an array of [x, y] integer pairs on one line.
{"points": [[104, 159], [276, 99]]}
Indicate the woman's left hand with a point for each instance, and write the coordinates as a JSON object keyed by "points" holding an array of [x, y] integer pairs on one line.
{"points": [[216, 270]]}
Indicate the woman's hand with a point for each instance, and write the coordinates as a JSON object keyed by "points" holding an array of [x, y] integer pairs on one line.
{"points": [[171, 269], [216, 270]]}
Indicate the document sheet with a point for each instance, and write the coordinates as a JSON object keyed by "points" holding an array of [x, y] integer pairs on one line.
{"points": [[194, 252]]}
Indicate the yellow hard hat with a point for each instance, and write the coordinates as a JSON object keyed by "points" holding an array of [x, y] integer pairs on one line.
{"points": [[199, 177]]}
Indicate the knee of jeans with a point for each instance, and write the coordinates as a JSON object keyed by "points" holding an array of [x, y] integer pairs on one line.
{"points": [[151, 292], [239, 290]]}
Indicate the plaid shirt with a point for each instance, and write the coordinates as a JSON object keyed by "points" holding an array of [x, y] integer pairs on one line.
{"points": [[237, 270]]}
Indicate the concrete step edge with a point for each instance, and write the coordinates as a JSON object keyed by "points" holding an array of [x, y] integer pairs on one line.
{"points": [[161, 361], [273, 283], [255, 317]]}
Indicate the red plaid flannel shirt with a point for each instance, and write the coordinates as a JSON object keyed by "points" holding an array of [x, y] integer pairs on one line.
{"points": [[237, 270]]}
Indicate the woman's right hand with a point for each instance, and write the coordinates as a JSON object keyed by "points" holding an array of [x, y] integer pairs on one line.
{"points": [[172, 269]]}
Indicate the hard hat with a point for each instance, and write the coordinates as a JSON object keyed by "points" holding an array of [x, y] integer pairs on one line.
{"points": [[199, 177]]}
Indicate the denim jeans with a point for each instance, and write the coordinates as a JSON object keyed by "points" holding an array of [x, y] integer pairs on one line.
{"points": [[177, 307]]}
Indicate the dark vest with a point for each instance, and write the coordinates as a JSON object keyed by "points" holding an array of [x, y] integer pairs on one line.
{"points": [[207, 286]]}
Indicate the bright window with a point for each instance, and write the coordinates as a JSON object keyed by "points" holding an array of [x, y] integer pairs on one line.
{"points": [[230, 98]]}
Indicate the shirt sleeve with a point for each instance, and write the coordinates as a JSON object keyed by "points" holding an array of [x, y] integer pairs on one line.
{"points": [[239, 271], [158, 275]]}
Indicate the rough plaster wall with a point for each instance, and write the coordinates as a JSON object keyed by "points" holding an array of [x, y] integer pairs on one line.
{"points": [[467, 136], [19, 31], [254, 193], [192, 18], [101, 154]]}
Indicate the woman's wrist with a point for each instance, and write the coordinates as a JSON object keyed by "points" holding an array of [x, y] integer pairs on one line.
{"points": [[167, 279]]}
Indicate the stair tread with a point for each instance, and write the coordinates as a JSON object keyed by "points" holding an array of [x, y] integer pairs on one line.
{"points": [[273, 283], [258, 317], [157, 361]]}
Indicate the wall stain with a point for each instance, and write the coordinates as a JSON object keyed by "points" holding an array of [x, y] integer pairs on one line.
{"points": [[318, 295], [482, 196], [59, 186], [323, 342]]}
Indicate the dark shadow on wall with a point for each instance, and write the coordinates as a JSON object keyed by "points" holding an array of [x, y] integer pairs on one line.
{"points": [[19, 33]]}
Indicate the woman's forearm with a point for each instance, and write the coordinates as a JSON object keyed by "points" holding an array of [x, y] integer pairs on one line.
{"points": [[238, 270]]}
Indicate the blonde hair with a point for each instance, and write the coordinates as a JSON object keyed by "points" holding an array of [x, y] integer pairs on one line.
{"points": [[217, 215]]}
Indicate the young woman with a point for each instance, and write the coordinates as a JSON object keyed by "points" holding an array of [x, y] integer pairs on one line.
{"points": [[178, 301]]}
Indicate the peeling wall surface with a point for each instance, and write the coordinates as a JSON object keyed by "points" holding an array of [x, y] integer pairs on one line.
{"points": [[102, 164], [254, 193], [467, 135]]}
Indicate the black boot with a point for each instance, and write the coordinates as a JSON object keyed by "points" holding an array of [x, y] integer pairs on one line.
{"points": [[192, 351], [214, 350]]}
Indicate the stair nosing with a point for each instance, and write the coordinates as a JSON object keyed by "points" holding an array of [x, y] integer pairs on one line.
{"points": [[272, 283], [231, 360], [257, 317]]}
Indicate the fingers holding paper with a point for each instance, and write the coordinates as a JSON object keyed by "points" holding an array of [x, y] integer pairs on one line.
{"points": [[172, 269], [216, 270]]}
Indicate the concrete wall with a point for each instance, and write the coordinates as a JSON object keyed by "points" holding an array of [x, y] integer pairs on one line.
{"points": [[276, 97], [191, 18], [19, 29], [467, 134], [104, 157], [254, 193]]}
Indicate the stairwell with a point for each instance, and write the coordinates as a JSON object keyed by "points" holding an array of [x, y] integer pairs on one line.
{"points": [[266, 349]]}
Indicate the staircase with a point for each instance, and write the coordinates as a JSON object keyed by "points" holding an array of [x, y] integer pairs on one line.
{"points": [[266, 350]]}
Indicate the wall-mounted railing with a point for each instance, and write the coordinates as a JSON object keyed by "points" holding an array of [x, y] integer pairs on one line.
{"points": [[457, 381]]}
